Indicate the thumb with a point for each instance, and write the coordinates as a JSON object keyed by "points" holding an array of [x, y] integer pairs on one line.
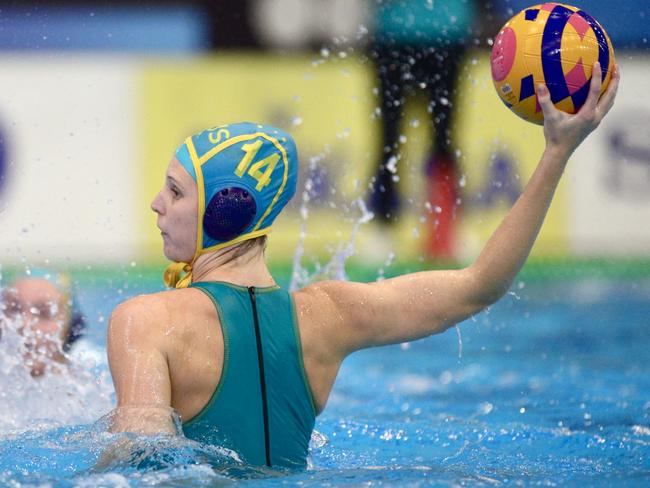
{"points": [[544, 99]]}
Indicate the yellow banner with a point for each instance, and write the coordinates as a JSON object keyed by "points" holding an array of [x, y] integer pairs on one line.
{"points": [[331, 110]]}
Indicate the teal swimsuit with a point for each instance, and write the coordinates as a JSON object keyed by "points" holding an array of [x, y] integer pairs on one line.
{"points": [[262, 407]]}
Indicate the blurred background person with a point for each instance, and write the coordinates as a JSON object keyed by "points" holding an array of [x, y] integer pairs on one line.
{"points": [[420, 44], [43, 312]]}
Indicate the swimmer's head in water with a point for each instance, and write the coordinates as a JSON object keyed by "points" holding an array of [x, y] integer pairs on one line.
{"points": [[43, 307], [245, 174]]}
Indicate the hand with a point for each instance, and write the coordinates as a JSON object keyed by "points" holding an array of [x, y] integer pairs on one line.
{"points": [[564, 131]]}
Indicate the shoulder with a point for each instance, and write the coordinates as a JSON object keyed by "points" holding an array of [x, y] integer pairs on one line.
{"points": [[334, 296], [322, 295], [142, 307], [155, 314], [144, 314], [329, 289], [155, 306], [329, 308]]}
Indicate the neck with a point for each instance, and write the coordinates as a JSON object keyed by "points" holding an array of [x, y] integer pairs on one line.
{"points": [[248, 269]]}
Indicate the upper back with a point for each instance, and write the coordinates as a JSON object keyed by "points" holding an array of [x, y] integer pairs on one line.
{"points": [[261, 405]]}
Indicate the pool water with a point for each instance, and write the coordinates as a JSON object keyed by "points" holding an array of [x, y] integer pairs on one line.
{"points": [[549, 387]]}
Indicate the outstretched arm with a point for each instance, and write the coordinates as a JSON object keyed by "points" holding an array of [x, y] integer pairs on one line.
{"points": [[509, 246], [420, 304]]}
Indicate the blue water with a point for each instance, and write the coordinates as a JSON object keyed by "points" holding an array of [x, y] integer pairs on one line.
{"points": [[551, 387]]}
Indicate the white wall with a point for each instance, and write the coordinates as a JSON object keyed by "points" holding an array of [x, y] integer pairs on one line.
{"points": [[68, 125], [609, 202]]}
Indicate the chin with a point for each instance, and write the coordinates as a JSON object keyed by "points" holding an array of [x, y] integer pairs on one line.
{"points": [[174, 255]]}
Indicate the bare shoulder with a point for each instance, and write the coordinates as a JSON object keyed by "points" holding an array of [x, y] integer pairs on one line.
{"points": [[330, 292], [142, 308], [151, 314], [324, 312], [338, 300], [321, 300]]}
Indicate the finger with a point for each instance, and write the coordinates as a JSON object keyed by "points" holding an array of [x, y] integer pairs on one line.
{"points": [[607, 100], [544, 99], [594, 87]]}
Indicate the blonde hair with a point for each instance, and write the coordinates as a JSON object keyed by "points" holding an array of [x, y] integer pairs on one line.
{"points": [[247, 246]]}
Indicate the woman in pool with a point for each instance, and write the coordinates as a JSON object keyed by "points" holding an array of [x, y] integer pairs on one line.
{"points": [[43, 310], [247, 365]]}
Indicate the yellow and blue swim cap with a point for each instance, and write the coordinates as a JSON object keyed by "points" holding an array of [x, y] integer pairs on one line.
{"points": [[245, 174]]}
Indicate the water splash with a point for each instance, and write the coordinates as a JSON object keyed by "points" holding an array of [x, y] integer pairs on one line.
{"points": [[75, 388], [335, 267], [387, 263]]}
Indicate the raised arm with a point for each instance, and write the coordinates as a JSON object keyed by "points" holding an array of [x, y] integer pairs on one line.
{"points": [[420, 304]]}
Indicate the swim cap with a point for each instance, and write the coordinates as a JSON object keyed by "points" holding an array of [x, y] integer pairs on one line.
{"points": [[245, 174]]}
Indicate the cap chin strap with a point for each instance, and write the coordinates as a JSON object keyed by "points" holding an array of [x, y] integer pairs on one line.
{"points": [[172, 275]]}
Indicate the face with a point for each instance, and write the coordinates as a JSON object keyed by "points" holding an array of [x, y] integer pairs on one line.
{"points": [[177, 207], [41, 313]]}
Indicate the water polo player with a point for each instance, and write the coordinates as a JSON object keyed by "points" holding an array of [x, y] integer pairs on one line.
{"points": [[247, 365], [43, 311]]}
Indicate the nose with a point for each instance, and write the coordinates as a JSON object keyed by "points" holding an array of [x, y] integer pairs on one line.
{"points": [[157, 204]]}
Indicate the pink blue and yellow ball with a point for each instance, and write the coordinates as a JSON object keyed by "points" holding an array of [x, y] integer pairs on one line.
{"points": [[554, 44]]}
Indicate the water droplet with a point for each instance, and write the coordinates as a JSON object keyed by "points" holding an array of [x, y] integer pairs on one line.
{"points": [[344, 134], [296, 121], [392, 164], [324, 52], [445, 377], [485, 408]]}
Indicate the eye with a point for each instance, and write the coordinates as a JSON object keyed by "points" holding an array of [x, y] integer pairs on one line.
{"points": [[175, 192]]}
